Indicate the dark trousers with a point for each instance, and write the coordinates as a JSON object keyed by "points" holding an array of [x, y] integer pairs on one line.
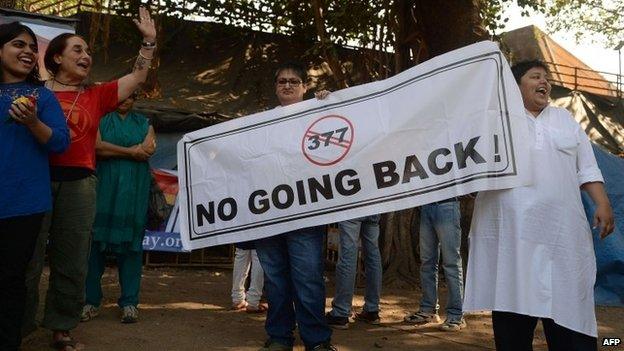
{"points": [[514, 332], [17, 243]]}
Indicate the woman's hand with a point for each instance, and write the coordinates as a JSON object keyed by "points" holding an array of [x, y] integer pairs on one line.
{"points": [[145, 24], [149, 145], [321, 94], [24, 113], [603, 219], [139, 154]]}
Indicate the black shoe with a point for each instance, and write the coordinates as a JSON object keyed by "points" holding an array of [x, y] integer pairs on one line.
{"points": [[324, 346], [337, 322], [368, 317], [275, 346]]}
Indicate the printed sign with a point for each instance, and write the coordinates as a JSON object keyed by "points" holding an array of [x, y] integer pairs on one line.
{"points": [[450, 126]]}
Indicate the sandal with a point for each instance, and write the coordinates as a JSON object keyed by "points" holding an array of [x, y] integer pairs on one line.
{"points": [[236, 306], [261, 308], [66, 341]]}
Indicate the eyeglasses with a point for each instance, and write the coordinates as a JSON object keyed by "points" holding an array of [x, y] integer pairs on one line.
{"points": [[292, 81]]}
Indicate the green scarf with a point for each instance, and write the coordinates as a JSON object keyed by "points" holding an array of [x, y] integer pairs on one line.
{"points": [[123, 187]]}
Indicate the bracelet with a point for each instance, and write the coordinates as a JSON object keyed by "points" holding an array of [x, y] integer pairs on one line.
{"points": [[147, 44], [145, 58]]}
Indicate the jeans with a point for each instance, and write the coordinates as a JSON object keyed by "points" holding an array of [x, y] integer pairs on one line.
{"points": [[293, 270], [514, 332], [243, 260], [440, 231], [351, 231], [18, 236]]}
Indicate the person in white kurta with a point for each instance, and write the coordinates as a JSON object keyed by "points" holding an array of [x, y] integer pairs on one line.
{"points": [[531, 250]]}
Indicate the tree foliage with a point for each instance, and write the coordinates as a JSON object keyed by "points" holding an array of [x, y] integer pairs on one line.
{"points": [[596, 20]]}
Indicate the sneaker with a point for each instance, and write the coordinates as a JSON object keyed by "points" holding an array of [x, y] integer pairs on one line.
{"points": [[88, 313], [323, 347], [337, 322], [422, 318], [453, 325], [129, 314], [368, 317], [275, 346]]}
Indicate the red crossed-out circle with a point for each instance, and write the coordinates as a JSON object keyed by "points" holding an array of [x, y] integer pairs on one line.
{"points": [[328, 140]]}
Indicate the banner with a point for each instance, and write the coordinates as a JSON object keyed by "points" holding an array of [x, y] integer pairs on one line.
{"points": [[450, 126], [167, 236]]}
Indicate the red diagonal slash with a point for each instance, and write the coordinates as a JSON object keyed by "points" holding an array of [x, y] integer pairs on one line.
{"points": [[332, 140]]}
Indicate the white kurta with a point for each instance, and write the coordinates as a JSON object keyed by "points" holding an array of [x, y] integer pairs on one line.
{"points": [[531, 250]]}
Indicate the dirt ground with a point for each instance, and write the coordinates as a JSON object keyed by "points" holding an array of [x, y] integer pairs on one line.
{"points": [[188, 309]]}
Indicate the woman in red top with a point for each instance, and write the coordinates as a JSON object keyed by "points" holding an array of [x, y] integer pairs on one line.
{"points": [[68, 59]]}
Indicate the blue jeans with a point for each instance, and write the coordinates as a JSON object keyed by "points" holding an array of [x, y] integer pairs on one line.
{"points": [[293, 267], [350, 232], [440, 231]]}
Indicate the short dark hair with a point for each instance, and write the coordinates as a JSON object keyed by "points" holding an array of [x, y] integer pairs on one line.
{"points": [[56, 47], [522, 67], [10, 31], [296, 67]]}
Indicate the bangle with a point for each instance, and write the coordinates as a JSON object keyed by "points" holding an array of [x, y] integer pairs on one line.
{"points": [[147, 44], [145, 58]]}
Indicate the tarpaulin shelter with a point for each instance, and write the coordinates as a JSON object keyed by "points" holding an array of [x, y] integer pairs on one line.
{"points": [[609, 287]]}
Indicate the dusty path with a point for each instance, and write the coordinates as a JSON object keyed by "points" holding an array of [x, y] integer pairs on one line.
{"points": [[189, 310]]}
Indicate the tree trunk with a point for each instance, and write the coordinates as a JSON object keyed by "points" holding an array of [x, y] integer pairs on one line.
{"points": [[449, 25], [398, 248], [424, 29], [327, 47]]}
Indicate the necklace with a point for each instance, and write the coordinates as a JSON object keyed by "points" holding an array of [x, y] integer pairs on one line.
{"points": [[67, 85], [71, 109]]}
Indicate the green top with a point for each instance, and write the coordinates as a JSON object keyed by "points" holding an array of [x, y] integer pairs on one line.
{"points": [[123, 187]]}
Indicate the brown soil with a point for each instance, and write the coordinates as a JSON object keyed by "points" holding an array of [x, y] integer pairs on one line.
{"points": [[188, 309]]}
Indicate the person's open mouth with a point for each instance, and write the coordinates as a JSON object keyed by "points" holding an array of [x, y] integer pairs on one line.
{"points": [[27, 60]]}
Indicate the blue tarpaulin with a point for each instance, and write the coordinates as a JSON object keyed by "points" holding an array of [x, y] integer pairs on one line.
{"points": [[609, 288]]}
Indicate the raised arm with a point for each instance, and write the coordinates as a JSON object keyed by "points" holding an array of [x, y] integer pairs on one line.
{"points": [[130, 82]]}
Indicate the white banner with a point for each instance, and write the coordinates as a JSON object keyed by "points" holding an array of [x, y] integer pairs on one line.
{"points": [[450, 126]]}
